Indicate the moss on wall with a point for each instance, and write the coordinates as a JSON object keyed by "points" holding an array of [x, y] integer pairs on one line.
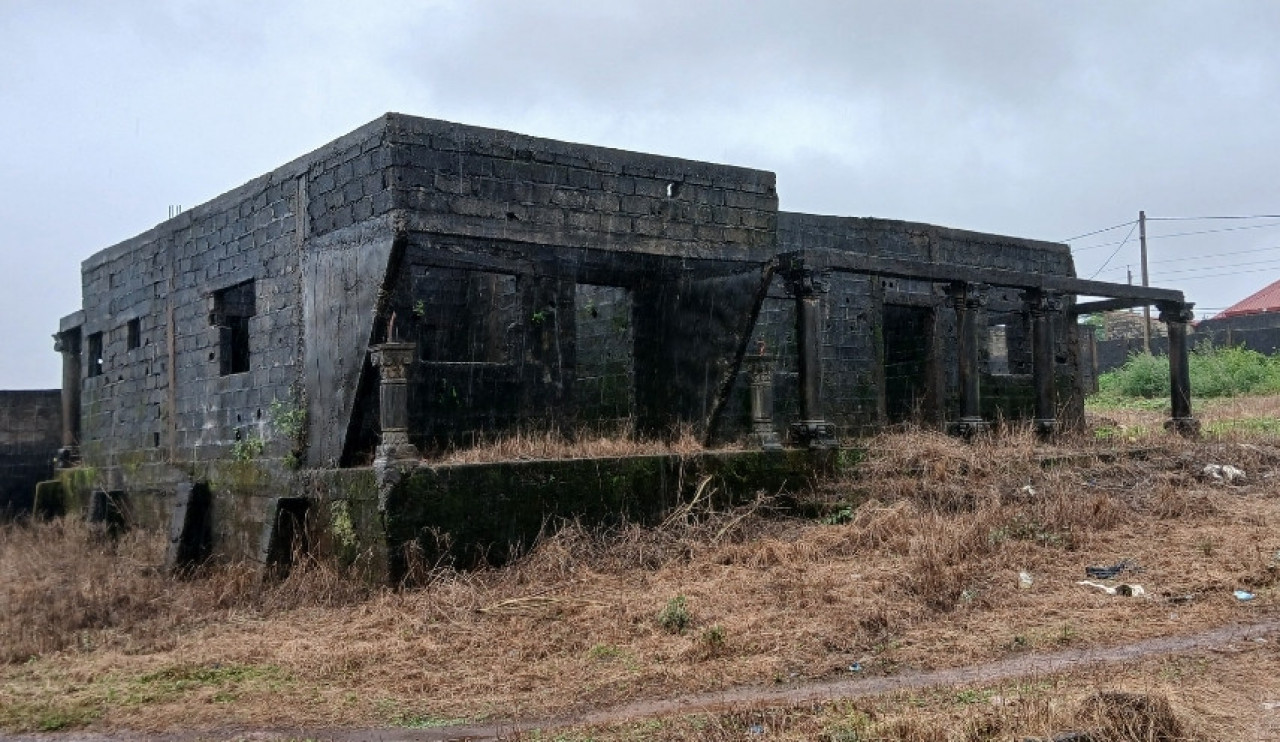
{"points": [[489, 512]]}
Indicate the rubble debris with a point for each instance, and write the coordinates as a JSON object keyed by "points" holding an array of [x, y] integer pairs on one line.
{"points": [[1224, 473], [1110, 572]]}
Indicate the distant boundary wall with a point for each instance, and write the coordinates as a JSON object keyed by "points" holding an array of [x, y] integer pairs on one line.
{"points": [[30, 433], [1112, 354]]}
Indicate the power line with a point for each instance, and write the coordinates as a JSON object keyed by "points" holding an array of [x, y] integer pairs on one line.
{"points": [[1099, 245], [1215, 255], [1096, 231], [1190, 279], [1205, 257], [1206, 218], [1178, 234], [1213, 231], [1133, 226], [1237, 265]]}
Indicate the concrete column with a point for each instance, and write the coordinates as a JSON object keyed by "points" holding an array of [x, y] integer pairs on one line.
{"points": [[967, 300], [1176, 317], [68, 344], [393, 361], [812, 430], [1044, 307], [760, 371]]}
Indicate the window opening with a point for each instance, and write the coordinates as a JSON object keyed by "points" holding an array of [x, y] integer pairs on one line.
{"points": [[288, 541], [604, 387], [133, 334], [464, 316], [908, 340], [95, 354], [232, 308]]}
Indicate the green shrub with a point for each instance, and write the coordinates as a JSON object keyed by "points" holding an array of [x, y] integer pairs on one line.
{"points": [[1214, 372], [1143, 376], [1229, 372]]}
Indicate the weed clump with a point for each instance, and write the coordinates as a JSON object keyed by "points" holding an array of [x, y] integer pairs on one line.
{"points": [[675, 617]]}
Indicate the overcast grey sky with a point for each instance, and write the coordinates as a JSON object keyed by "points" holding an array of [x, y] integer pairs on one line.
{"points": [[1037, 119]]}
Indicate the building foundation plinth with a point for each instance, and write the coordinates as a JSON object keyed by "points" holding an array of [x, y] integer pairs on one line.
{"points": [[813, 434]]}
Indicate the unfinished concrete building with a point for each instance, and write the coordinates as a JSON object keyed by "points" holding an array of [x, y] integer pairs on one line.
{"points": [[291, 346]]}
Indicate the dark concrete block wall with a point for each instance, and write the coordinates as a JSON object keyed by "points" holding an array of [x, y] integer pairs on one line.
{"points": [[270, 294], [552, 228], [888, 349], [474, 182], [539, 336], [30, 434], [1260, 332], [1112, 354], [162, 390]]}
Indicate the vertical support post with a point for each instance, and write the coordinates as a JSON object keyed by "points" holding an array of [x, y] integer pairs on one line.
{"points": [[812, 430], [1146, 308], [968, 298], [392, 361], [760, 371], [68, 344], [1176, 317], [1043, 306], [809, 335]]}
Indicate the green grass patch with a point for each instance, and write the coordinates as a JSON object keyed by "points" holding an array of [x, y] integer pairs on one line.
{"points": [[48, 716], [87, 703], [1248, 426], [401, 714]]}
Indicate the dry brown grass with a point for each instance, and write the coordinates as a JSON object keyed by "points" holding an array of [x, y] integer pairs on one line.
{"points": [[1200, 696], [68, 586], [553, 443], [920, 572], [1255, 419]]}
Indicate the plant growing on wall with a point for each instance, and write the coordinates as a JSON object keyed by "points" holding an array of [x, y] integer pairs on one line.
{"points": [[289, 418], [248, 448]]}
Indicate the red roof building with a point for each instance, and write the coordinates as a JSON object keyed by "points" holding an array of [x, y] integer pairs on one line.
{"points": [[1266, 300]]}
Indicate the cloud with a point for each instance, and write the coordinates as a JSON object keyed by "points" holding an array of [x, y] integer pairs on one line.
{"points": [[1042, 119]]}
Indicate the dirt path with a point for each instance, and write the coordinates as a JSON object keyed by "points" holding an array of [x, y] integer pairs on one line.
{"points": [[1026, 665]]}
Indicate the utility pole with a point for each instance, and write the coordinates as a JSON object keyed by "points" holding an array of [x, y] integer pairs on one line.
{"points": [[1146, 308]]}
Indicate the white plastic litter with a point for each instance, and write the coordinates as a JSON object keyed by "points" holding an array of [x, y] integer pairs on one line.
{"points": [[1128, 591]]}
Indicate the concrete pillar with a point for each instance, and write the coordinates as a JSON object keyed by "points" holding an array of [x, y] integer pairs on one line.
{"points": [[812, 430], [393, 361], [1176, 317], [68, 344], [760, 371], [968, 299], [1044, 307]]}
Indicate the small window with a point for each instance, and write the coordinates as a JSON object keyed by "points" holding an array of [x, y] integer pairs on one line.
{"points": [[133, 334], [95, 354], [232, 308]]}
